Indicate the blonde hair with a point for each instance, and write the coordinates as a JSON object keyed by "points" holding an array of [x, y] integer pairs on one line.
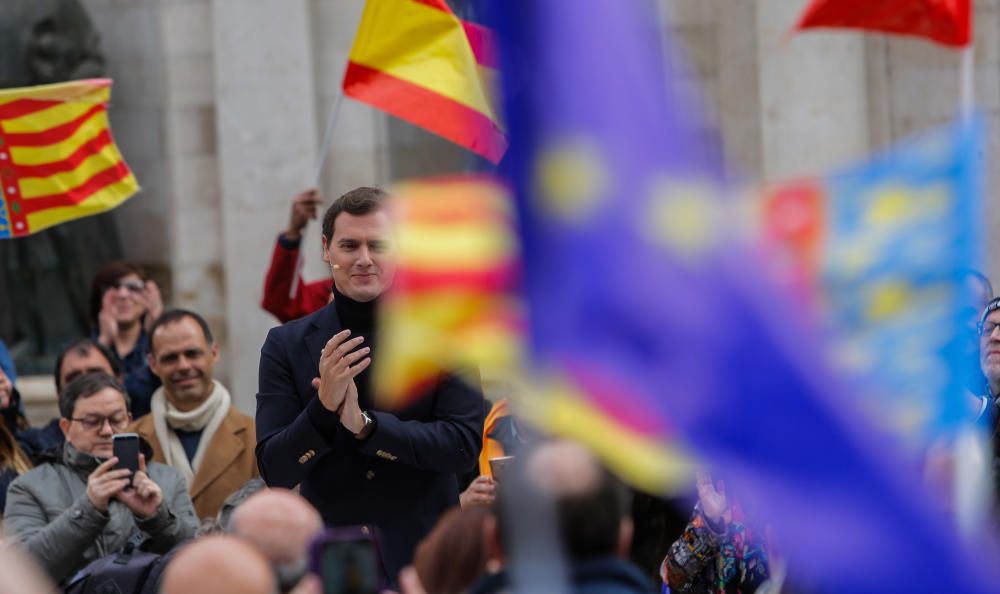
{"points": [[11, 455]]}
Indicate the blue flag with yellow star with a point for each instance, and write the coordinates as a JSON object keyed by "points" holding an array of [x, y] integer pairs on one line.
{"points": [[646, 307]]}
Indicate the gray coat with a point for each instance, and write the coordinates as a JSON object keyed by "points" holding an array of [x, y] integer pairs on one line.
{"points": [[49, 514]]}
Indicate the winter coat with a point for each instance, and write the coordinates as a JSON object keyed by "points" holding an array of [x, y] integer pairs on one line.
{"points": [[49, 514]]}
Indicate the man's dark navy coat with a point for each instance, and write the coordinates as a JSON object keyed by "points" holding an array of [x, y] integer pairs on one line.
{"points": [[400, 479]]}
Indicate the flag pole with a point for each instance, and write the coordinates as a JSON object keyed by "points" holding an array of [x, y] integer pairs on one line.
{"points": [[324, 150]]}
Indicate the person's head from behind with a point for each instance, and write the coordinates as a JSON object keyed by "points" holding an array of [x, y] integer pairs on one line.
{"points": [[281, 524], [84, 356], [218, 564], [591, 505], [21, 574], [183, 355], [224, 519], [357, 244], [94, 407], [457, 551], [119, 286]]}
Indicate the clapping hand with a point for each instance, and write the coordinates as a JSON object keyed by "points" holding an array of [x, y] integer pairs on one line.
{"points": [[152, 301], [339, 364]]}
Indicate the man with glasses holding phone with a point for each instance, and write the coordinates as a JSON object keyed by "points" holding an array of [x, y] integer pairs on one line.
{"points": [[76, 507]]}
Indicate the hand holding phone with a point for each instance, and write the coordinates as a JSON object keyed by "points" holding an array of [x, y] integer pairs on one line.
{"points": [[126, 449]]}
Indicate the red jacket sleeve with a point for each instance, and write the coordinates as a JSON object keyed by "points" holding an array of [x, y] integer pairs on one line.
{"points": [[277, 286]]}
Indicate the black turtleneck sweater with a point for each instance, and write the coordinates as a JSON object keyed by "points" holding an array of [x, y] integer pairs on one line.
{"points": [[359, 318]]}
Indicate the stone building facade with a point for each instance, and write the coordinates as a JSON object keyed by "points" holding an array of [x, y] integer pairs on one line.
{"points": [[219, 107]]}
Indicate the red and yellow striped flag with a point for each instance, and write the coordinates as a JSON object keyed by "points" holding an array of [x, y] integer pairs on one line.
{"points": [[58, 161], [419, 62], [451, 306]]}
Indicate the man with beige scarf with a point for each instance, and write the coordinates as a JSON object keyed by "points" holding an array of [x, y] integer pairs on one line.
{"points": [[193, 426]]}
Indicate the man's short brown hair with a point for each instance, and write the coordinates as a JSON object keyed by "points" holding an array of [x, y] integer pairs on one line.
{"points": [[357, 202]]}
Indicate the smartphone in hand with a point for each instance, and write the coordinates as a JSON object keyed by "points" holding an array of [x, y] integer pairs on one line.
{"points": [[126, 449], [498, 466], [347, 561]]}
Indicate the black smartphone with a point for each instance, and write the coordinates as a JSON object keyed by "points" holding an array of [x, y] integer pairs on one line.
{"points": [[347, 561], [126, 449]]}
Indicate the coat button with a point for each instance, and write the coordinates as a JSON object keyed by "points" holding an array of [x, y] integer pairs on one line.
{"points": [[370, 475], [303, 458]]}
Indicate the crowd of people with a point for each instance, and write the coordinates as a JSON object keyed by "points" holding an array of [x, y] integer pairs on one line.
{"points": [[323, 491]]}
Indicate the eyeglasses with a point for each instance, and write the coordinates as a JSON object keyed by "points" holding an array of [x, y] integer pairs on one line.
{"points": [[117, 422], [132, 285], [986, 328]]}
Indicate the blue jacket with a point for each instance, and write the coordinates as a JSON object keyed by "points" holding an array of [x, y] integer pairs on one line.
{"points": [[399, 480]]}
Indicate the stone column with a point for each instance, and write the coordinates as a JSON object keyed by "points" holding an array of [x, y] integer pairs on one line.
{"points": [[813, 95], [267, 140]]}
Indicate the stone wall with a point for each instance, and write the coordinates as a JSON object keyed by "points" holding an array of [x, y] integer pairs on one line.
{"points": [[219, 107]]}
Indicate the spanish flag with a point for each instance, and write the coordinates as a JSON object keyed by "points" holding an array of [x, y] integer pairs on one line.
{"points": [[419, 62], [58, 161], [451, 306], [948, 22]]}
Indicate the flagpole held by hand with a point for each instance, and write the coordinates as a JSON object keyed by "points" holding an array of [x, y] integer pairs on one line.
{"points": [[324, 150]]}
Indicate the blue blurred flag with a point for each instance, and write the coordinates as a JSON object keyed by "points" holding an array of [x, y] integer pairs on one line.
{"points": [[645, 306], [903, 230]]}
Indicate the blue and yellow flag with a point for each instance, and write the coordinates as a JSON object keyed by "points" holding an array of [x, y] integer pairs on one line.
{"points": [[647, 313]]}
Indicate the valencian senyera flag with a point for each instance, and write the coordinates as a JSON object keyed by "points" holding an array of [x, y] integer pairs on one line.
{"points": [[58, 161], [646, 305], [452, 305], [884, 247], [419, 62], [948, 22]]}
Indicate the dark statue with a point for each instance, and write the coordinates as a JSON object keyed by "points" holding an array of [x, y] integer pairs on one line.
{"points": [[45, 277]]}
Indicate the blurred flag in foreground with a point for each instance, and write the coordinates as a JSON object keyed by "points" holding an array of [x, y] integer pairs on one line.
{"points": [[948, 22], [58, 161], [644, 307], [886, 245], [418, 61], [452, 304]]}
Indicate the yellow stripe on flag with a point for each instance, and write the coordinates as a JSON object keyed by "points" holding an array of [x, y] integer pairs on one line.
{"points": [[421, 45], [33, 187], [108, 197], [464, 246], [50, 117], [40, 155], [652, 464]]}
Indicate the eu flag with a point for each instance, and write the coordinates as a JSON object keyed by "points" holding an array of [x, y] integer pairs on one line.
{"points": [[645, 304]]}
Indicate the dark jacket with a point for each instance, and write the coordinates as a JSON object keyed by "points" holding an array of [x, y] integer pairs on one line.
{"points": [[49, 514], [604, 575], [33, 441], [400, 479]]}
